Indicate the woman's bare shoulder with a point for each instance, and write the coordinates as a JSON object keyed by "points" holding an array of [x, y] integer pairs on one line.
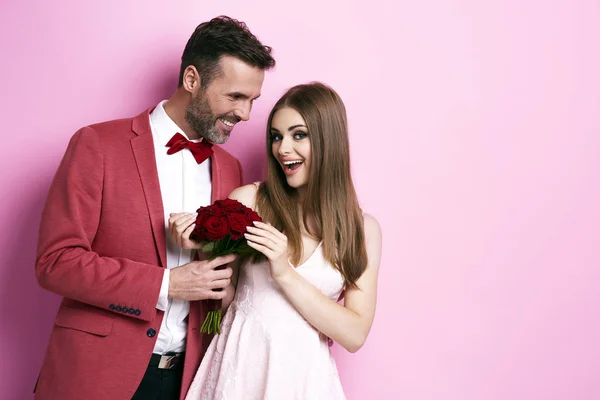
{"points": [[245, 194]]}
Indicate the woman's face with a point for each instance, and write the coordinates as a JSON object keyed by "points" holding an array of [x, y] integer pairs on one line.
{"points": [[291, 145]]}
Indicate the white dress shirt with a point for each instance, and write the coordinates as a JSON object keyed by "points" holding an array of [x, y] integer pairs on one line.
{"points": [[184, 186]]}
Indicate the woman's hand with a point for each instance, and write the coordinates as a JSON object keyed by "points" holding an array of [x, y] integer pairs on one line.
{"points": [[181, 225], [273, 244]]}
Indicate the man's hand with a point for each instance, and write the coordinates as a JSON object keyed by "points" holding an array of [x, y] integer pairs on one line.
{"points": [[181, 225], [200, 280]]}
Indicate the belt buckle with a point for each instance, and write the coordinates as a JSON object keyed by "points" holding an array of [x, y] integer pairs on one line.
{"points": [[167, 361]]}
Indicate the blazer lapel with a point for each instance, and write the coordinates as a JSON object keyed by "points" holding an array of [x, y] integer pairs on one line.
{"points": [[216, 177], [143, 151]]}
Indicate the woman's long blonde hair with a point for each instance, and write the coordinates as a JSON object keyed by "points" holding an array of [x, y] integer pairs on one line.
{"points": [[330, 199]]}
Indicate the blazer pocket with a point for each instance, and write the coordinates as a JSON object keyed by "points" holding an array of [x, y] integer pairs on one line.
{"points": [[85, 319]]}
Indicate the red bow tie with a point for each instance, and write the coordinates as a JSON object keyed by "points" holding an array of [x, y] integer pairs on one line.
{"points": [[200, 150]]}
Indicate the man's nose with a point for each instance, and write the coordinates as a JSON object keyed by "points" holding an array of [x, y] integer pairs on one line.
{"points": [[243, 112]]}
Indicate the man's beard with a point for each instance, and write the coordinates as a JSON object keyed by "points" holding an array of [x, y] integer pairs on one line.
{"points": [[201, 119]]}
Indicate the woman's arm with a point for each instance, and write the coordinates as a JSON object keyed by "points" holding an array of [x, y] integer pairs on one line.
{"points": [[350, 324]]}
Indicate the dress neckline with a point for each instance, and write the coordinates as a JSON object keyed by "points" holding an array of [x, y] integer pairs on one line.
{"points": [[309, 257]]}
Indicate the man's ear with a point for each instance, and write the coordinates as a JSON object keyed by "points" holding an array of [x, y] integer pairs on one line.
{"points": [[191, 80]]}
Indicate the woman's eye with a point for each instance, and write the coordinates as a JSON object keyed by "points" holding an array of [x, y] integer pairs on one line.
{"points": [[275, 137], [300, 135]]}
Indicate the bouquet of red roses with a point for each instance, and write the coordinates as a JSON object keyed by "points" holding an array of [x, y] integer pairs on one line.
{"points": [[220, 227]]}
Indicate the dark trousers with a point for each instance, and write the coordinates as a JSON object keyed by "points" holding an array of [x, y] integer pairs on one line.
{"points": [[160, 384]]}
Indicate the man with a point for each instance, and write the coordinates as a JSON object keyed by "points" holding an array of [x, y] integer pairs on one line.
{"points": [[129, 322]]}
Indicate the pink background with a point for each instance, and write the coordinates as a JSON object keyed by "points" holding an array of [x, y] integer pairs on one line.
{"points": [[475, 130]]}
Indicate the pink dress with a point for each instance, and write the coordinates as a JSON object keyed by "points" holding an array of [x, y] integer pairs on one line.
{"points": [[266, 349]]}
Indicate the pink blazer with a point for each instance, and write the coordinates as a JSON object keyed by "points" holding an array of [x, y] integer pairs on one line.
{"points": [[102, 247]]}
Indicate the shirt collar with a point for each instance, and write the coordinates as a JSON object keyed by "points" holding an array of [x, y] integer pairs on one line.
{"points": [[165, 126]]}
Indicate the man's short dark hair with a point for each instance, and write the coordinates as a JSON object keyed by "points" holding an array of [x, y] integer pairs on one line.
{"points": [[222, 36]]}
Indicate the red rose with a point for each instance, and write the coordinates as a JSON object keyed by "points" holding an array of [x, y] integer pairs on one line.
{"points": [[223, 217], [198, 234], [231, 205], [251, 215], [217, 210], [216, 227], [237, 224]]}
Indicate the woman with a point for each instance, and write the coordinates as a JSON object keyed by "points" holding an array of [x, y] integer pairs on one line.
{"points": [[316, 246]]}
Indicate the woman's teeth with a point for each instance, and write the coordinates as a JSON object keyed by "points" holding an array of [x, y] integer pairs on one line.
{"points": [[292, 165]]}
